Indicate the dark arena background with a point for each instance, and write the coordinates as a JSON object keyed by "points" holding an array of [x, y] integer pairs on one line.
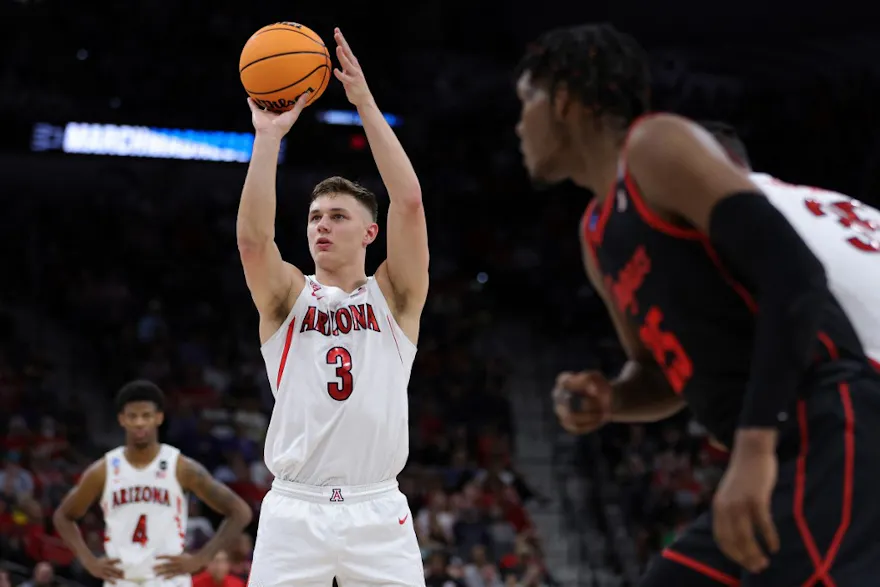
{"points": [[118, 261]]}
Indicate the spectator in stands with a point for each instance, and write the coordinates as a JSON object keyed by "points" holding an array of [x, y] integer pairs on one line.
{"points": [[217, 574], [44, 576], [14, 480]]}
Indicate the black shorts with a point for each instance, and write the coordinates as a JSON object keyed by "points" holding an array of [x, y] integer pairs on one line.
{"points": [[826, 505]]}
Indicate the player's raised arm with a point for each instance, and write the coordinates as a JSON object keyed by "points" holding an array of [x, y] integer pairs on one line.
{"points": [[273, 283], [217, 496], [73, 507], [406, 268]]}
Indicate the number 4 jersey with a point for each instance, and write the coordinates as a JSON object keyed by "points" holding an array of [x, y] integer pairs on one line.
{"points": [[145, 511], [691, 310], [339, 367], [845, 235]]}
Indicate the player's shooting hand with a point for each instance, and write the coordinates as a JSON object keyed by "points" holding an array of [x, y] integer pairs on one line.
{"points": [[271, 123], [181, 564], [582, 401], [106, 569], [741, 507], [351, 75]]}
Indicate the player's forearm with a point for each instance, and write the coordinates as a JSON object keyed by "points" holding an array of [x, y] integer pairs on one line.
{"points": [[394, 166], [230, 529], [641, 394], [72, 537], [256, 211]]}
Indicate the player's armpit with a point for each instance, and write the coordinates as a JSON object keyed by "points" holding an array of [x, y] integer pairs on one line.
{"points": [[274, 284], [85, 493], [681, 170]]}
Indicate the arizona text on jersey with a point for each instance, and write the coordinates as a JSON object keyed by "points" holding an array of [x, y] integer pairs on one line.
{"points": [[145, 512], [339, 367]]}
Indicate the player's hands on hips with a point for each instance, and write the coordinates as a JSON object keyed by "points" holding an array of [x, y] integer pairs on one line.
{"points": [[741, 507], [181, 564], [351, 75], [582, 401], [273, 124], [106, 569]]}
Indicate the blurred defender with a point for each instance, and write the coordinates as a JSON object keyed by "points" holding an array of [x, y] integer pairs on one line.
{"points": [[141, 488], [338, 348], [719, 303], [841, 231]]}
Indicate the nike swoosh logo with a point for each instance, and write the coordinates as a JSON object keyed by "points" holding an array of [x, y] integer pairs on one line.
{"points": [[402, 520]]}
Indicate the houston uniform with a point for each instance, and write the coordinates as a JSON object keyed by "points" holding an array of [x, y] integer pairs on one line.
{"points": [[697, 317], [145, 514], [339, 367], [845, 235]]}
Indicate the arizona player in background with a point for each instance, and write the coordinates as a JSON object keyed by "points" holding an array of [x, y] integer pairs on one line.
{"points": [[720, 304], [338, 348], [841, 231], [142, 491]]}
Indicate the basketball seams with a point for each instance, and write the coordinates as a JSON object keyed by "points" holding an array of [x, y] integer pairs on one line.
{"points": [[324, 77], [302, 79], [281, 54], [295, 58], [290, 30]]}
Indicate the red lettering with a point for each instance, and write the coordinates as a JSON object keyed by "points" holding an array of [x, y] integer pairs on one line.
{"points": [[341, 358], [372, 323], [849, 216], [667, 350], [308, 321], [629, 281], [343, 320], [140, 531], [358, 317]]}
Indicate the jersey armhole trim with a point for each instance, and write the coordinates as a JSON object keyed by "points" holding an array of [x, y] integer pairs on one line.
{"points": [[650, 216]]}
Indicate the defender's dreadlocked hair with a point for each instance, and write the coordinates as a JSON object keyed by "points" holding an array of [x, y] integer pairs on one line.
{"points": [[606, 69], [728, 138]]}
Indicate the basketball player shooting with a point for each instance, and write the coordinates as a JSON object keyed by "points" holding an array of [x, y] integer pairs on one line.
{"points": [[142, 490], [338, 348], [719, 305]]}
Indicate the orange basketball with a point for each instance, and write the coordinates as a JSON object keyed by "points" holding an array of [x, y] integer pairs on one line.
{"points": [[282, 61]]}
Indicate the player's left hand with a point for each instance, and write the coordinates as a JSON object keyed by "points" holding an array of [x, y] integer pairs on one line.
{"points": [[741, 507], [351, 75], [181, 564]]}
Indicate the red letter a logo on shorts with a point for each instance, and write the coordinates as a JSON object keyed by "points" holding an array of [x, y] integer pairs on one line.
{"points": [[337, 495]]}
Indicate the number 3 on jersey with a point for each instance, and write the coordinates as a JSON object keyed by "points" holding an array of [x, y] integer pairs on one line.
{"points": [[140, 531], [340, 358]]}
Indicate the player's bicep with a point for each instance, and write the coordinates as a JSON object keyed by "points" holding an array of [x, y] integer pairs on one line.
{"points": [[195, 477], [682, 169], [273, 283], [85, 493], [408, 256]]}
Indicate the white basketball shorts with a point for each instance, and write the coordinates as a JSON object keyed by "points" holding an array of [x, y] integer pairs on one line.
{"points": [[363, 536]]}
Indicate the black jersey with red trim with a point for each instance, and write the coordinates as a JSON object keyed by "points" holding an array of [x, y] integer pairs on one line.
{"points": [[690, 310]]}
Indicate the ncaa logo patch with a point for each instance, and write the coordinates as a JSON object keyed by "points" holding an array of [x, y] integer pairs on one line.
{"points": [[337, 495]]}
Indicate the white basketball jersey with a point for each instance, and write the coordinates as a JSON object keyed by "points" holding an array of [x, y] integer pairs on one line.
{"points": [[845, 235], [145, 511], [339, 367]]}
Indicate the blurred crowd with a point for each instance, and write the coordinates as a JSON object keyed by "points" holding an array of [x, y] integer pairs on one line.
{"points": [[152, 287], [134, 264]]}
